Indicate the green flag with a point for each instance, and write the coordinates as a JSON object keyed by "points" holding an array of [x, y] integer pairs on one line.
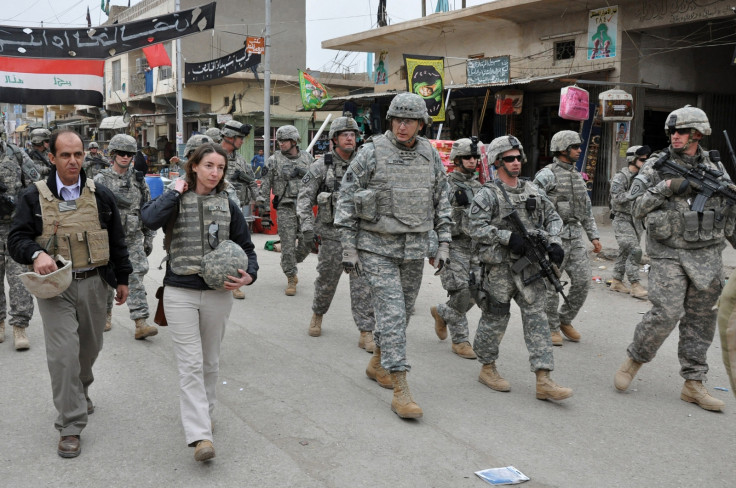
{"points": [[314, 94]]}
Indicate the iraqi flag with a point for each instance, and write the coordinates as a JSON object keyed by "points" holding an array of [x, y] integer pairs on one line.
{"points": [[51, 81]]}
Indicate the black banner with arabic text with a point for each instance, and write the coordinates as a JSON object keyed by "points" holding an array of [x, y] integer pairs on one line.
{"points": [[104, 41], [217, 68]]}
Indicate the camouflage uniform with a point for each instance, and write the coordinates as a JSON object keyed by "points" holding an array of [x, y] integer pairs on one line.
{"points": [[627, 230], [454, 275], [94, 164], [686, 274], [40, 161], [567, 191], [392, 245], [321, 186], [285, 182], [21, 301], [491, 233], [245, 184], [131, 192]]}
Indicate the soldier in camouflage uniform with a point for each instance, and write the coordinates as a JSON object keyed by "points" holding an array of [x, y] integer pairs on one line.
{"points": [[463, 185], [685, 248], [93, 161], [39, 152], [12, 159], [392, 195], [566, 189], [131, 192], [239, 173], [627, 230], [321, 187], [500, 247], [284, 172]]}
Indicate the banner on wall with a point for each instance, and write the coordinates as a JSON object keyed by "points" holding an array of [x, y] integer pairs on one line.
{"points": [[314, 95], [602, 25], [381, 75], [240, 60], [425, 76]]}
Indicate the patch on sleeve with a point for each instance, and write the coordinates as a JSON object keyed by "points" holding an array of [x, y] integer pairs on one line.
{"points": [[306, 178], [474, 209], [349, 176]]}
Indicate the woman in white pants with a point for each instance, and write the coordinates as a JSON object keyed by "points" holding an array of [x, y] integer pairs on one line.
{"points": [[197, 216]]}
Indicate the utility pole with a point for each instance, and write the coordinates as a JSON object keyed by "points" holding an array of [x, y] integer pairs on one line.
{"points": [[267, 85], [179, 101]]}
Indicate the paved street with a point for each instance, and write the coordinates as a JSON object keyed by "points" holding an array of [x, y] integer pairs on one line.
{"points": [[299, 411]]}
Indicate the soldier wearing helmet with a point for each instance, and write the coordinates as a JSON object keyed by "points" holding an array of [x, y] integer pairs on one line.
{"points": [[321, 187], [215, 134], [463, 185], [393, 193], [39, 152], [503, 277], [626, 229], [685, 249], [566, 188], [68, 215], [131, 192], [283, 175], [93, 161]]}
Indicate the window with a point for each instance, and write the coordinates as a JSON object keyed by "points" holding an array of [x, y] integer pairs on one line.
{"points": [[164, 72], [564, 50], [275, 99], [117, 83]]}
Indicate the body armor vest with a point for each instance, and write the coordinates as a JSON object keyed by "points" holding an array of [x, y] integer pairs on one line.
{"points": [[624, 207], [403, 185], [285, 186], [10, 176], [330, 190], [199, 216], [72, 228], [518, 196], [570, 193], [128, 193], [470, 185]]}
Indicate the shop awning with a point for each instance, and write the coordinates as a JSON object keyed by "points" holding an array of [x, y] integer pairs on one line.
{"points": [[21, 128], [115, 122]]}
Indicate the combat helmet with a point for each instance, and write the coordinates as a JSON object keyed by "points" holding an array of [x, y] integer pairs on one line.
{"points": [[500, 145], [214, 133], [636, 152], [465, 147], [38, 136], [408, 106], [223, 261], [93, 145], [122, 143], [288, 133], [687, 117], [564, 139], [194, 142], [233, 128], [49, 285], [344, 123]]}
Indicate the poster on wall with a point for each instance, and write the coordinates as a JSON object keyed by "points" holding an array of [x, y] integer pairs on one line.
{"points": [[425, 76], [381, 74], [602, 25]]}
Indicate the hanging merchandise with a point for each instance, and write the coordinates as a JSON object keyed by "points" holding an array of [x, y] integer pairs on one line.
{"points": [[616, 105], [509, 102], [574, 103]]}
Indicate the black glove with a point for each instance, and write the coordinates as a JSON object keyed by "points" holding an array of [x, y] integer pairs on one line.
{"points": [[680, 186], [237, 174], [148, 245], [298, 172], [516, 244], [556, 254], [461, 197]]}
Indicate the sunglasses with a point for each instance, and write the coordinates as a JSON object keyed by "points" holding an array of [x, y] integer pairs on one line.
{"points": [[404, 122], [682, 132], [642, 159], [511, 159], [212, 237], [467, 158], [574, 146], [125, 154]]}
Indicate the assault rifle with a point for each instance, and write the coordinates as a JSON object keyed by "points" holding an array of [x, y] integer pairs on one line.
{"points": [[705, 181], [535, 251]]}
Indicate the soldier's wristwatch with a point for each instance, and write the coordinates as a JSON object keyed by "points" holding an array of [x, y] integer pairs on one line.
{"points": [[35, 255]]}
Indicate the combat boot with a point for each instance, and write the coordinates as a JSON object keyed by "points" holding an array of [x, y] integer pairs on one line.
{"points": [[619, 286], [238, 294], [548, 389], [291, 285], [376, 372], [403, 404], [20, 338], [556, 337], [366, 341], [204, 451], [638, 291], [315, 325], [2, 331], [108, 322], [489, 376], [694, 391], [143, 330], [464, 350], [440, 327], [569, 331], [625, 374]]}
